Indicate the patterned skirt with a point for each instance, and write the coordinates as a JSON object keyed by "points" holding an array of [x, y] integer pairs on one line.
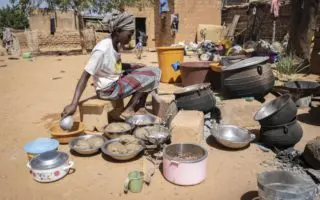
{"points": [[143, 79]]}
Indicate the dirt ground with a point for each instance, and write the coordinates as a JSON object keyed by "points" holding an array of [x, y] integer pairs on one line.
{"points": [[32, 96]]}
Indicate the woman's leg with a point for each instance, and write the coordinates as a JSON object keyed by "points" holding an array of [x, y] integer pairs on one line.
{"points": [[142, 101], [134, 101]]}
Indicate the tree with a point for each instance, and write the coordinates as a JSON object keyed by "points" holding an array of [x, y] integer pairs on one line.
{"points": [[13, 16]]}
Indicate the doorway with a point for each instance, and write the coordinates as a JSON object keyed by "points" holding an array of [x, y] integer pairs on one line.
{"points": [[140, 26]]}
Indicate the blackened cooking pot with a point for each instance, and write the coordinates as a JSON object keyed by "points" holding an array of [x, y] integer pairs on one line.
{"points": [[282, 136], [247, 78], [196, 97], [279, 111]]}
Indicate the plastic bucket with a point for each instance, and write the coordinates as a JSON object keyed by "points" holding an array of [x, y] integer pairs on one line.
{"points": [[168, 56]]}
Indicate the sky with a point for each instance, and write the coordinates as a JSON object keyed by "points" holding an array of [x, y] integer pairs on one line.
{"points": [[3, 3]]}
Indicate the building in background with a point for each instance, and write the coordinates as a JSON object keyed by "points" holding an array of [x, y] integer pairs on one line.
{"points": [[191, 13]]}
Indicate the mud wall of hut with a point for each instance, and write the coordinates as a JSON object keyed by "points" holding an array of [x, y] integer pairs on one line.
{"points": [[264, 22]]}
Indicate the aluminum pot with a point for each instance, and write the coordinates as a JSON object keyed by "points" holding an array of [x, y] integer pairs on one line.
{"points": [[247, 78], [50, 166], [279, 111], [185, 164], [282, 136]]}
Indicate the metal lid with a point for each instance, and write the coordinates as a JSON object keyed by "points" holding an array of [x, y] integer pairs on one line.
{"points": [[246, 63], [49, 160], [193, 88], [41, 145]]}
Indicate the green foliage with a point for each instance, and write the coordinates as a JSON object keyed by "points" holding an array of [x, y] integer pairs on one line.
{"points": [[287, 66], [96, 6], [13, 16]]}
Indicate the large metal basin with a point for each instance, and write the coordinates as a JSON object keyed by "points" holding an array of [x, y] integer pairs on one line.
{"points": [[284, 185], [232, 136]]}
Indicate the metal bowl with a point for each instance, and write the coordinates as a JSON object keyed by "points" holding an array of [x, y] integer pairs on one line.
{"points": [[66, 123], [276, 112], [232, 136], [153, 134], [141, 120], [122, 157], [285, 185], [73, 142], [116, 134]]}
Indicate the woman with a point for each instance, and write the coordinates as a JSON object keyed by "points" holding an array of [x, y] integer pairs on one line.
{"points": [[108, 72]]}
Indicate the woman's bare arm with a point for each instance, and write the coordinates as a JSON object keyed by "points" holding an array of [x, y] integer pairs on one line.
{"points": [[82, 83]]}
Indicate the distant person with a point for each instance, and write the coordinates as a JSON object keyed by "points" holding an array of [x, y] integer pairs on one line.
{"points": [[7, 40], [107, 70], [142, 39]]}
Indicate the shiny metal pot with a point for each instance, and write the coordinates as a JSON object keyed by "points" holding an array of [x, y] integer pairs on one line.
{"points": [[50, 166], [279, 111]]}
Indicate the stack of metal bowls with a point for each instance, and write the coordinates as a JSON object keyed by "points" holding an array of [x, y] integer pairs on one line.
{"points": [[279, 126]]}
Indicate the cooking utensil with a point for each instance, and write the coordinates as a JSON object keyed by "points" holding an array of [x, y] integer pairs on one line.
{"points": [[196, 97], [285, 185], [192, 88], [116, 134], [185, 164], [195, 72], [153, 134], [122, 157], [232, 136], [50, 166], [304, 88], [141, 120], [247, 78], [64, 137], [281, 136], [66, 123], [246, 63], [40, 145], [90, 151], [276, 112]]}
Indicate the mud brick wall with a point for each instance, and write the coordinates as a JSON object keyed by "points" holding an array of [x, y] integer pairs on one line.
{"points": [[22, 40], [195, 12], [265, 24], [162, 26], [62, 40], [191, 13]]}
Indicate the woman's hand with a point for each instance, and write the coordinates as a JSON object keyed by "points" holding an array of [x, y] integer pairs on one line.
{"points": [[69, 110], [137, 65]]}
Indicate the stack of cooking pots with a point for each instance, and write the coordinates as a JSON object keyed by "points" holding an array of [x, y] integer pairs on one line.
{"points": [[279, 126]]}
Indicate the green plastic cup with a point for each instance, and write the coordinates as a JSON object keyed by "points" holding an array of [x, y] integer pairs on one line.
{"points": [[134, 182]]}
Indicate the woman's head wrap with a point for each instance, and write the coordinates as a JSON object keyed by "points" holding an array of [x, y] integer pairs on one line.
{"points": [[118, 21]]}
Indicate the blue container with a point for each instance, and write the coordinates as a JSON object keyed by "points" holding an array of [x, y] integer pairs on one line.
{"points": [[40, 145]]}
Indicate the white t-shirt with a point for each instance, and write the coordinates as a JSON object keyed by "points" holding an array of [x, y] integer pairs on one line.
{"points": [[104, 64]]}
